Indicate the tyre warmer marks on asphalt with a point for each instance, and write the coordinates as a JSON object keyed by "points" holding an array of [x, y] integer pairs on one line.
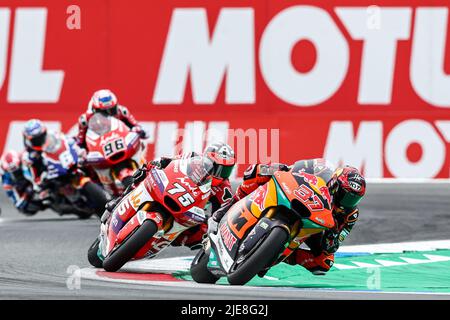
{"points": [[402, 267]]}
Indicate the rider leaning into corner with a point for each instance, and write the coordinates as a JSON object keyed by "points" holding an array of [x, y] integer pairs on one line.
{"points": [[347, 187], [34, 138], [105, 101], [17, 187], [223, 159]]}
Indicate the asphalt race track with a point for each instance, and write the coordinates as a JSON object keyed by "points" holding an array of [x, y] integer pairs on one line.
{"points": [[38, 254]]}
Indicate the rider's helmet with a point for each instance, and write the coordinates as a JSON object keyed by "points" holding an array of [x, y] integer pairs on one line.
{"points": [[223, 159], [34, 134], [104, 101], [11, 163], [347, 186]]}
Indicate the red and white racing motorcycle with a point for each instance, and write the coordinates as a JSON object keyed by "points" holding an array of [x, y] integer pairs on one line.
{"points": [[166, 203], [114, 152]]}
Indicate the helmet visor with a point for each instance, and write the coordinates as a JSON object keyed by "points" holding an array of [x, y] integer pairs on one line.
{"points": [[349, 200], [38, 141], [222, 171]]}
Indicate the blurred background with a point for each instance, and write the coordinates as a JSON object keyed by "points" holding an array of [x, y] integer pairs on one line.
{"points": [[357, 83]]}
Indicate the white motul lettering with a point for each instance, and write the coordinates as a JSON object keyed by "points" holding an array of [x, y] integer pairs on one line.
{"points": [[428, 52], [28, 82], [189, 49], [167, 136], [150, 128], [362, 151], [398, 141], [4, 33], [379, 51], [193, 136], [444, 128], [283, 32], [217, 132]]}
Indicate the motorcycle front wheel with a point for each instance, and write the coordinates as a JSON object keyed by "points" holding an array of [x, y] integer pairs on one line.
{"points": [[93, 258], [130, 246], [261, 257], [199, 268]]}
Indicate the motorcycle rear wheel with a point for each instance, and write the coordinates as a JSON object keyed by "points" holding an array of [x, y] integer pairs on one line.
{"points": [[97, 196], [199, 270], [266, 253], [130, 246]]}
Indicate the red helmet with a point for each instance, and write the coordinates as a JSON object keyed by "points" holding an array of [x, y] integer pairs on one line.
{"points": [[11, 162], [104, 101], [347, 186], [223, 158]]}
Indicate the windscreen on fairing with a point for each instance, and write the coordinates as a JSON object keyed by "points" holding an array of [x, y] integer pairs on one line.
{"points": [[198, 169], [100, 124], [52, 142]]}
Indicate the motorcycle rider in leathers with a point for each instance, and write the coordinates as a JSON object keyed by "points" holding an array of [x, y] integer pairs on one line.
{"points": [[17, 187], [34, 137], [105, 101], [223, 159], [347, 187]]}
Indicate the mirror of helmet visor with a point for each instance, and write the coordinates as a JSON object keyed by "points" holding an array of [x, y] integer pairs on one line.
{"points": [[350, 200], [221, 171]]}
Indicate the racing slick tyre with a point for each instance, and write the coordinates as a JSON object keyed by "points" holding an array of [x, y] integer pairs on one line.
{"points": [[93, 258], [130, 246], [96, 196], [199, 270], [262, 256]]}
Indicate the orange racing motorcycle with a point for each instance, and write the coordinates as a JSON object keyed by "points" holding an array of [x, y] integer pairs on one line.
{"points": [[264, 228]]}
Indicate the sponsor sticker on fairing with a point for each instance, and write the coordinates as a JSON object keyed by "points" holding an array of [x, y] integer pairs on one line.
{"points": [[196, 214], [228, 238], [157, 179]]}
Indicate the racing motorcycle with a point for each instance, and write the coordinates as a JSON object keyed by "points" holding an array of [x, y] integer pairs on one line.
{"points": [[147, 219], [64, 187], [264, 228], [114, 152]]}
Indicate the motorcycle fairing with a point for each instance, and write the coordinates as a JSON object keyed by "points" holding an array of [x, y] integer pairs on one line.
{"points": [[60, 161], [244, 217]]}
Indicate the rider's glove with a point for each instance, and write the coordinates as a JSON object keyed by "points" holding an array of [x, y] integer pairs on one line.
{"points": [[140, 131], [140, 175], [161, 163], [330, 241]]}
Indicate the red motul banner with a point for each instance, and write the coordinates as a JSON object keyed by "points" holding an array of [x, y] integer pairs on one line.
{"points": [[357, 83]]}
